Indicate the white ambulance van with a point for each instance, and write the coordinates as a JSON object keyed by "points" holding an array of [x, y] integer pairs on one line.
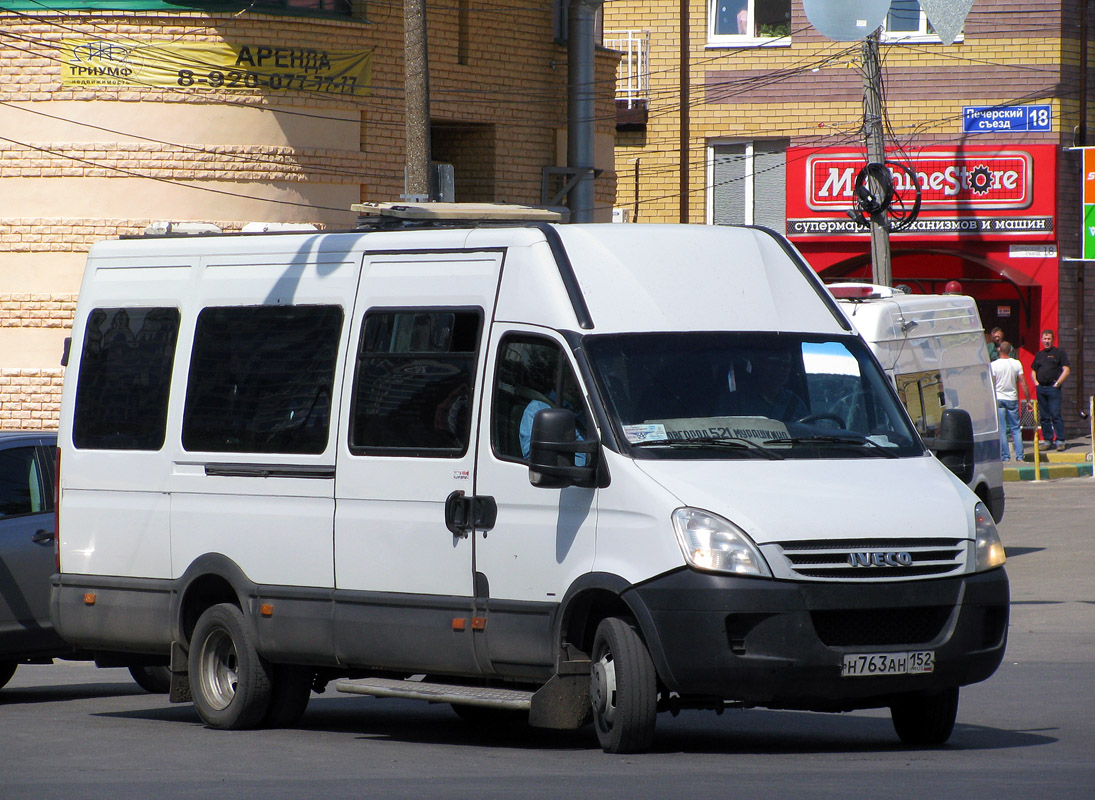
{"points": [[933, 347], [583, 473]]}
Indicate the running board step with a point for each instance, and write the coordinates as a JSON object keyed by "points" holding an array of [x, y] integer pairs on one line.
{"points": [[438, 692]]}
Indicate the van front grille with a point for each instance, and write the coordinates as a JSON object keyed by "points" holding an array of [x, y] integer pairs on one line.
{"points": [[872, 559], [878, 627]]}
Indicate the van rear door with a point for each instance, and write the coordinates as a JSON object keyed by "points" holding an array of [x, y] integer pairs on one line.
{"points": [[410, 411]]}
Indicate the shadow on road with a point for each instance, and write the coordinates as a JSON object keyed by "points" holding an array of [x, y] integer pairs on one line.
{"points": [[737, 732], [76, 691]]}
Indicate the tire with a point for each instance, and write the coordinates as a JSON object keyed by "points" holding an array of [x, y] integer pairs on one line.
{"points": [[154, 680], [925, 720], [7, 669], [291, 690], [229, 681], [622, 689]]}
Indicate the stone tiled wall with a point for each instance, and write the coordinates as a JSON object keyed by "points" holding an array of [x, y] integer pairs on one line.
{"points": [[30, 398]]}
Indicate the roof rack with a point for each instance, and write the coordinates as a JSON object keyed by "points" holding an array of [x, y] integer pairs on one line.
{"points": [[401, 215]]}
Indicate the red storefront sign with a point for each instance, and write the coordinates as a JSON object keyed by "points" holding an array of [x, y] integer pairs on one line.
{"points": [[975, 190]]}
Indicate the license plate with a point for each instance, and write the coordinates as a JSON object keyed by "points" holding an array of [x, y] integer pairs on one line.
{"points": [[915, 662]]}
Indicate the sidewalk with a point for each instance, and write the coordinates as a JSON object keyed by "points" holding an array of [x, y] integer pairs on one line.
{"points": [[1075, 462]]}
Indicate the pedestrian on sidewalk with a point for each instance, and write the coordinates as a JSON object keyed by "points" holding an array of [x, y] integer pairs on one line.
{"points": [[1051, 369], [992, 341], [1011, 386]]}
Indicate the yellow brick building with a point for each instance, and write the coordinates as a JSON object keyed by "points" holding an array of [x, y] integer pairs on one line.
{"points": [[115, 115], [752, 116]]}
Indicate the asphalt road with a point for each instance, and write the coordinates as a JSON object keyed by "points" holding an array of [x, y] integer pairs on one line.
{"points": [[71, 731]]}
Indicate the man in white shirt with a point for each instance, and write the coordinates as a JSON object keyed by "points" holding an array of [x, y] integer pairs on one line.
{"points": [[1007, 375]]}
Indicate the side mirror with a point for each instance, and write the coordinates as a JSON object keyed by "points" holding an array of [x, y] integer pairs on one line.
{"points": [[954, 444], [553, 449]]}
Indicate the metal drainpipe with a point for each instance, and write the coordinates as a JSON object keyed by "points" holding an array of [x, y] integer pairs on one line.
{"points": [[685, 133], [581, 108]]}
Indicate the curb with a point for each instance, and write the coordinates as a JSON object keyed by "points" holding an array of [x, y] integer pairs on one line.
{"points": [[1078, 469]]}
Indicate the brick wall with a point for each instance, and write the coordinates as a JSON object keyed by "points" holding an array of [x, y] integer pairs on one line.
{"points": [[509, 89], [30, 398]]}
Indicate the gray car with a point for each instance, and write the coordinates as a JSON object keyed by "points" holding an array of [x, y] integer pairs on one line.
{"points": [[28, 466]]}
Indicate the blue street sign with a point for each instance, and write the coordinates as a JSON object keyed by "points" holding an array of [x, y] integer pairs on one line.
{"points": [[996, 119]]}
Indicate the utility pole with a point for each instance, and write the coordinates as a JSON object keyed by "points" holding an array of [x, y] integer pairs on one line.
{"points": [[881, 270], [581, 106], [417, 90]]}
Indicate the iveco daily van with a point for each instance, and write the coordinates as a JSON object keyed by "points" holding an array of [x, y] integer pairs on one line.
{"points": [[933, 348], [579, 472]]}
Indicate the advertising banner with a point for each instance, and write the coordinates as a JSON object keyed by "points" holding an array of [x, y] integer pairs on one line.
{"points": [[196, 66], [1089, 204], [972, 191]]}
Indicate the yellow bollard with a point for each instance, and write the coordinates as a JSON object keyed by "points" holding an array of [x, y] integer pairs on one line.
{"points": [[1037, 452]]}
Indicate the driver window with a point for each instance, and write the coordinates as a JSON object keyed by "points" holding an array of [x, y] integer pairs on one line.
{"points": [[532, 374]]}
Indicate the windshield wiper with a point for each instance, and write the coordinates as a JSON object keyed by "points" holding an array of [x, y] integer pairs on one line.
{"points": [[850, 438], [729, 443]]}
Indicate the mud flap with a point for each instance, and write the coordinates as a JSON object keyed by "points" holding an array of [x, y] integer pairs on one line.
{"points": [[562, 703], [180, 675]]}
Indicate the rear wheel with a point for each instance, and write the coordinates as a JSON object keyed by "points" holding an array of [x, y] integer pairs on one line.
{"points": [[622, 689], [7, 669], [926, 720], [229, 680], [292, 687], [156, 680]]}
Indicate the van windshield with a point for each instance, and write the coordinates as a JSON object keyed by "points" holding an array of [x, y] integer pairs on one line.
{"points": [[748, 395]]}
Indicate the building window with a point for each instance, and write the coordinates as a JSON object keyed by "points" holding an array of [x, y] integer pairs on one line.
{"points": [[261, 379], [560, 21], [124, 379], [414, 382], [748, 183], [907, 22], [327, 7], [748, 22]]}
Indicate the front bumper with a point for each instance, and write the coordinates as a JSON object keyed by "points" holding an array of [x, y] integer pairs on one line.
{"points": [[781, 645]]}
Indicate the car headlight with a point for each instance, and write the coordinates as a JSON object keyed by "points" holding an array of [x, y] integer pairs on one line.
{"points": [[988, 549], [714, 544]]}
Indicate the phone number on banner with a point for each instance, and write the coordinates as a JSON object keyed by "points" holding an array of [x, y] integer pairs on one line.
{"points": [[241, 79]]}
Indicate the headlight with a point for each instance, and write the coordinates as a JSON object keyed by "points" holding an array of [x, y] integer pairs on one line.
{"points": [[714, 544], [988, 549]]}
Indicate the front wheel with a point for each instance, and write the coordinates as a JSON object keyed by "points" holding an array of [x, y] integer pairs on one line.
{"points": [[229, 681], [926, 720], [622, 688]]}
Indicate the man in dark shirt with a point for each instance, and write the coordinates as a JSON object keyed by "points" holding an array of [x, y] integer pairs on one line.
{"points": [[1050, 369]]}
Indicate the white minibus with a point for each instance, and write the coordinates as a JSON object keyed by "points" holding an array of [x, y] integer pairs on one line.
{"points": [[579, 473]]}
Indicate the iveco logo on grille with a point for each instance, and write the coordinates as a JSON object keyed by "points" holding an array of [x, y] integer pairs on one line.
{"points": [[880, 559]]}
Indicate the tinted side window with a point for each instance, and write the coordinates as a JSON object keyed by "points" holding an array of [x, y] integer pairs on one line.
{"points": [[261, 379], [125, 378], [413, 388], [22, 490]]}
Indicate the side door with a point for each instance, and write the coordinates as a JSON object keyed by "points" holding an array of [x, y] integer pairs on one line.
{"points": [[26, 551], [413, 381], [543, 538]]}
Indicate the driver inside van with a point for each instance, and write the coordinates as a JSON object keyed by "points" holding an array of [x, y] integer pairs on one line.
{"points": [[571, 400], [767, 393]]}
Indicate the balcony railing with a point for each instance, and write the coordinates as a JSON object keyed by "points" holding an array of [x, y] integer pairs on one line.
{"points": [[632, 76]]}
